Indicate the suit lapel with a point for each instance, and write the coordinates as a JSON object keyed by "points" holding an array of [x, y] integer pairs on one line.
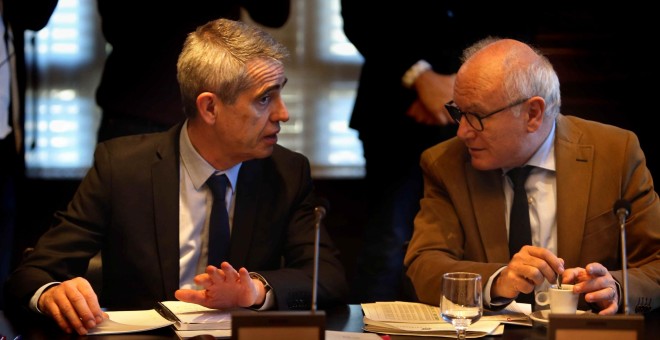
{"points": [[574, 172], [165, 184], [489, 204], [245, 211]]}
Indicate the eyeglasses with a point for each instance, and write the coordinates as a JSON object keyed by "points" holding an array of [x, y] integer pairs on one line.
{"points": [[474, 119]]}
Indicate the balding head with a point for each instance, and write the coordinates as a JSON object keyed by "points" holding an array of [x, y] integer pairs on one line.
{"points": [[515, 89], [509, 70]]}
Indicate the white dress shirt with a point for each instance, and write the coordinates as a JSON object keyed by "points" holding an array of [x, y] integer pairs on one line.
{"points": [[541, 187]]}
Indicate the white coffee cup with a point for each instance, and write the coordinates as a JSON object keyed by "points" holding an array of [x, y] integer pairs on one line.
{"points": [[561, 300]]}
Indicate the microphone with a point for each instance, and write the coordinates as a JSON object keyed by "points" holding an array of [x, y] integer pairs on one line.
{"points": [[622, 210], [322, 207]]}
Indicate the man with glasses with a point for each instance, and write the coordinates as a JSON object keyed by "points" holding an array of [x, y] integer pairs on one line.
{"points": [[506, 102]]}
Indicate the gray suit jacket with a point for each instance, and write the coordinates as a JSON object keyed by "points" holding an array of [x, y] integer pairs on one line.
{"points": [[461, 225], [128, 207]]}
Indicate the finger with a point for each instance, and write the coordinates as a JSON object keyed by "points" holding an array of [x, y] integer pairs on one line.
{"points": [[596, 269], [210, 269], [190, 295], [244, 275], [66, 310], [48, 306], [610, 310], [556, 263], [606, 294], [226, 266], [89, 305], [203, 280], [571, 275]]}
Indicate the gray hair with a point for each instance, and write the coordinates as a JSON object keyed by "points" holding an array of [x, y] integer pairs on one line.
{"points": [[214, 56], [533, 79]]}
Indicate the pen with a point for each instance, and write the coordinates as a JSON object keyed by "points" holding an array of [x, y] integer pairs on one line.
{"points": [[166, 312]]}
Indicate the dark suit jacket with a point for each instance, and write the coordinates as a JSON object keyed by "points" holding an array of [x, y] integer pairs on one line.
{"points": [[461, 225], [25, 15], [128, 207], [146, 41], [397, 37]]}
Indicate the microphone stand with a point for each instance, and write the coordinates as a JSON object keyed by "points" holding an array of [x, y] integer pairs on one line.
{"points": [[622, 210], [319, 212]]}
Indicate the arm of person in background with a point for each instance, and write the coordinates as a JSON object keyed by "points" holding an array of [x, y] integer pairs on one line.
{"points": [[270, 13], [28, 14], [433, 91]]}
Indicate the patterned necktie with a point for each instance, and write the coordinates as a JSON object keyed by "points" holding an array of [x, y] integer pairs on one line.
{"points": [[218, 246]]}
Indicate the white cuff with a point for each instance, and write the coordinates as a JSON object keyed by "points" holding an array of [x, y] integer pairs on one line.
{"points": [[413, 72], [34, 301]]}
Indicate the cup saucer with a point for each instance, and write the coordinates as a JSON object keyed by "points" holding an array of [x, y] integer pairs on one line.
{"points": [[542, 316]]}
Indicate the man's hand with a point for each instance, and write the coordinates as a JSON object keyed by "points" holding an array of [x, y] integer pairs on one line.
{"points": [[598, 285], [433, 91], [224, 287], [529, 267], [73, 305]]}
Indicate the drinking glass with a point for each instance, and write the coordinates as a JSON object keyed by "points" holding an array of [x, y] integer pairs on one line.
{"points": [[460, 303]]}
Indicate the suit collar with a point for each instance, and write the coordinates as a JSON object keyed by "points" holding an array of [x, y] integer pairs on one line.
{"points": [[574, 172], [165, 187]]}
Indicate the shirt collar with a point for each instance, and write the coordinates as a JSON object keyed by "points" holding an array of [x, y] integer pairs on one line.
{"points": [[198, 169], [544, 157]]}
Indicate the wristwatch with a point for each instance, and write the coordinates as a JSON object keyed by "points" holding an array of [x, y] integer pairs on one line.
{"points": [[258, 276]]}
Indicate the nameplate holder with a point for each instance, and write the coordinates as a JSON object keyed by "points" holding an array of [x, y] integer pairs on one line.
{"points": [[278, 325], [593, 326]]}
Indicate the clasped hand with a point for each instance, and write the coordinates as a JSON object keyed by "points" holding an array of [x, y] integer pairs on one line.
{"points": [[531, 266]]}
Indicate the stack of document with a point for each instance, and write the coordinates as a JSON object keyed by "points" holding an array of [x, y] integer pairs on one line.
{"points": [[191, 316], [411, 318], [191, 319]]}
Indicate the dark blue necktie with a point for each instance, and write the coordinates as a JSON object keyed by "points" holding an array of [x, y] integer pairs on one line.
{"points": [[218, 246], [520, 230]]}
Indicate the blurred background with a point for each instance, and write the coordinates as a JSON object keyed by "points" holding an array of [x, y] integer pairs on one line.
{"points": [[605, 72]]}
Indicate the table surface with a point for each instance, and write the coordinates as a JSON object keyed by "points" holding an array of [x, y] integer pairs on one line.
{"points": [[346, 318]]}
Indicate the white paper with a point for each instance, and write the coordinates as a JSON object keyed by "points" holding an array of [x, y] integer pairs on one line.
{"points": [[194, 313], [399, 311], [217, 333], [412, 318], [130, 322], [337, 335]]}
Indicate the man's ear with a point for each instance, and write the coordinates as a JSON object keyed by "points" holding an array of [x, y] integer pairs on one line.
{"points": [[536, 113], [206, 106]]}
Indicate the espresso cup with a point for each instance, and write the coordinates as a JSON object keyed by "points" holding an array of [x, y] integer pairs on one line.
{"points": [[561, 300]]}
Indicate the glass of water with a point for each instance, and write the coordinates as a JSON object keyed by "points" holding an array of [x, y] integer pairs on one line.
{"points": [[461, 301]]}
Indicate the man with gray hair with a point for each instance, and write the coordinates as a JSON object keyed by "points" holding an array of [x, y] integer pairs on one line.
{"points": [[506, 102], [147, 206]]}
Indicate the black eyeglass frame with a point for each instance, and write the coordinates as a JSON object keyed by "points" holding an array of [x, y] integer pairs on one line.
{"points": [[456, 113]]}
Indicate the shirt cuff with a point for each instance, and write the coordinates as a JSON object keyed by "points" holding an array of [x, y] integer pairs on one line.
{"points": [[494, 303], [413, 72], [34, 301]]}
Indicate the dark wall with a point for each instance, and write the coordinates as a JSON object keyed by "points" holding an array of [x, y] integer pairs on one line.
{"points": [[603, 59]]}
